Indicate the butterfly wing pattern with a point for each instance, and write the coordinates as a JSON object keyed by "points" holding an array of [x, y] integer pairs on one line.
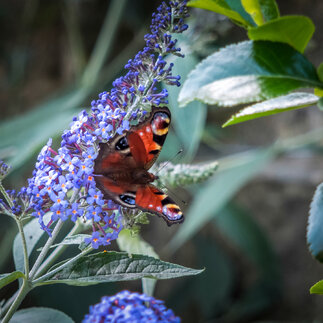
{"points": [[122, 166]]}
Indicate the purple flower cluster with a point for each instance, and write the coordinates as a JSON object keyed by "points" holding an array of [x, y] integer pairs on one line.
{"points": [[130, 307], [63, 180]]}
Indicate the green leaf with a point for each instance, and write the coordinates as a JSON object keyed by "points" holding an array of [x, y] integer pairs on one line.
{"points": [[283, 103], [317, 288], [193, 117], [136, 245], [320, 72], [261, 10], [248, 238], [248, 72], [211, 198], [247, 235], [40, 314], [6, 279], [293, 30], [33, 233], [217, 284], [315, 225], [233, 9], [112, 266], [320, 103]]}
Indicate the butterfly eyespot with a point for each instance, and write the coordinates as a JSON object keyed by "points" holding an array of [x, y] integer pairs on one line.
{"points": [[122, 144], [128, 199]]}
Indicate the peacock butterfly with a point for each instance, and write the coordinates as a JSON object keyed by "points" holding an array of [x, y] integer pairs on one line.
{"points": [[122, 167]]}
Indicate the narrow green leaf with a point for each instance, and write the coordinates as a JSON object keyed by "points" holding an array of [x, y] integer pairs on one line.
{"points": [[6, 279], [320, 103], [40, 314], [193, 117], [283, 103], [261, 10], [248, 72], [295, 31], [136, 245], [320, 72], [211, 198], [112, 266], [317, 288], [315, 225], [233, 9], [22, 136], [33, 233], [245, 233]]}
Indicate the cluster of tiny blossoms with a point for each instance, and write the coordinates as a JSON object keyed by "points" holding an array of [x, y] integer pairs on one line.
{"points": [[63, 181], [130, 307]]}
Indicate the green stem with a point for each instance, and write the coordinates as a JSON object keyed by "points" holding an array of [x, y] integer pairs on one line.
{"points": [[46, 248], [5, 195], [39, 280], [24, 245], [24, 289], [57, 252]]}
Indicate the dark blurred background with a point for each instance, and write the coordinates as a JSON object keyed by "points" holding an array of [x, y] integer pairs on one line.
{"points": [[53, 63]]}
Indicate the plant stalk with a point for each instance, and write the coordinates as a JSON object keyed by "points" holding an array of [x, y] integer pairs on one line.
{"points": [[46, 248], [24, 245], [24, 290]]}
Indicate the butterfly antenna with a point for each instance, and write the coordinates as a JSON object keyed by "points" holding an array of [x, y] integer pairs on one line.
{"points": [[168, 161]]}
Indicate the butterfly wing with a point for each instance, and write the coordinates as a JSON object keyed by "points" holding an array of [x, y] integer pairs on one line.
{"points": [[147, 139], [136, 149], [150, 199]]}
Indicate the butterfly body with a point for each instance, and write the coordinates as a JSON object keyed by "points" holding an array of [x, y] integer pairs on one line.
{"points": [[123, 163]]}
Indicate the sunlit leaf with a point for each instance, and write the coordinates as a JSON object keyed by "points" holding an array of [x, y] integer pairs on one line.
{"points": [[261, 10], [293, 30], [277, 105], [248, 72], [315, 225], [233, 9], [40, 314], [117, 266], [317, 288]]}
